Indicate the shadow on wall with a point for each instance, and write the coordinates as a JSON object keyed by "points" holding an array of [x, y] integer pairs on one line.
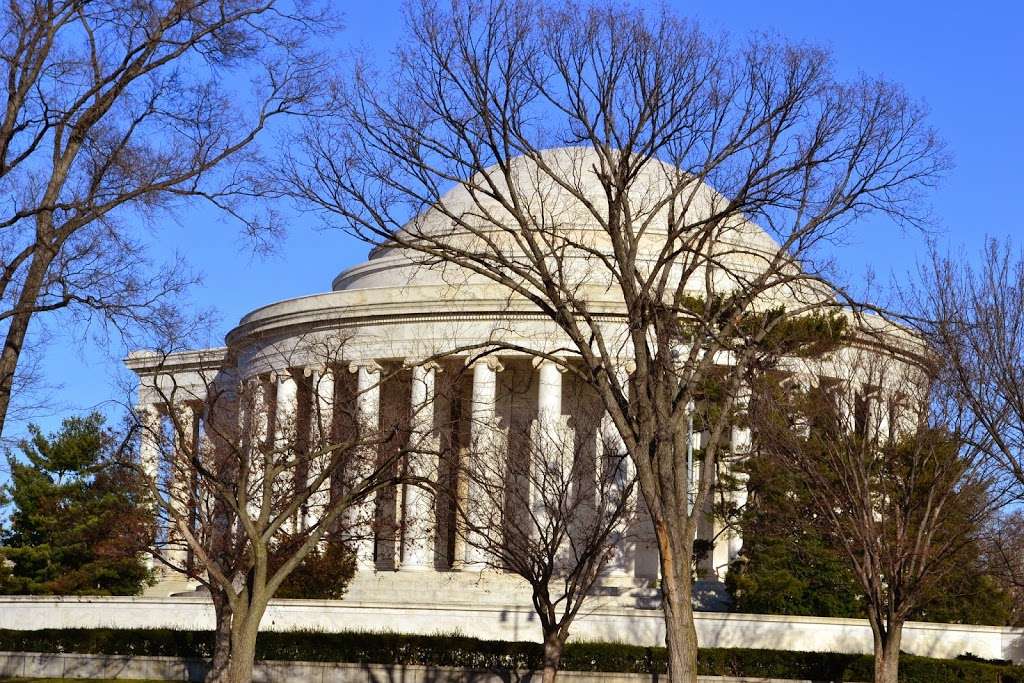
{"points": [[194, 671], [405, 674], [1013, 648], [79, 666], [798, 634], [427, 674]]}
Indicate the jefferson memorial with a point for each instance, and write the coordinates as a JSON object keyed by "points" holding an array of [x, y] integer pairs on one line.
{"points": [[412, 332], [394, 312]]}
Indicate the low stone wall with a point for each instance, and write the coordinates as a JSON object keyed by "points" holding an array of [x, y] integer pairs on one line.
{"points": [[69, 665], [39, 665], [514, 622]]}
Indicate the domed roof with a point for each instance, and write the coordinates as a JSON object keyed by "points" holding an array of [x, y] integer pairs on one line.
{"points": [[561, 200], [558, 192]]}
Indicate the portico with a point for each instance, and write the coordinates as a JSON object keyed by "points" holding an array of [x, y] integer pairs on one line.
{"points": [[469, 407]]}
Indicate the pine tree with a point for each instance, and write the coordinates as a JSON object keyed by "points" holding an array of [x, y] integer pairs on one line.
{"points": [[790, 563], [793, 564], [79, 523]]}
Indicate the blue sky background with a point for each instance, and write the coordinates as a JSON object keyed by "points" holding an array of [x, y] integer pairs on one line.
{"points": [[965, 60]]}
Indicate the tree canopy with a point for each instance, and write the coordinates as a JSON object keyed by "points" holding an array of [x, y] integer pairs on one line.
{"points": [[790, 564], [79, 523], [793, 564]]}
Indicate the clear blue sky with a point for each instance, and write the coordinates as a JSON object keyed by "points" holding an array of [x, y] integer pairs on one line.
{"points": [[965, 60]]}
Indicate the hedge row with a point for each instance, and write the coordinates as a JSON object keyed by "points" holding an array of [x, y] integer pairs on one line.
{"points": [[458, 651]]}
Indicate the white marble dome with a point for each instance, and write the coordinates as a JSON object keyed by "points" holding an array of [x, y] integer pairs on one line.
{"points": [[416, 309], [560, 207]]}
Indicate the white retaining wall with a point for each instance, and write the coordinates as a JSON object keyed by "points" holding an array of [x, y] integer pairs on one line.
{"points": [[628, 625], [66, 665]]}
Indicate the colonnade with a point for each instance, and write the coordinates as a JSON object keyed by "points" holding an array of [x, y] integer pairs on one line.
{"points": [[279, 401]]}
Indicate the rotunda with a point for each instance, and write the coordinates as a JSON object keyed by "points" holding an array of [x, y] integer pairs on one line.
{"points": [[426, 327]]}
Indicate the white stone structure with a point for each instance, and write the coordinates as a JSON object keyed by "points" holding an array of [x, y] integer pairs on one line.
{"points": [[494, 620], [393, 313]]}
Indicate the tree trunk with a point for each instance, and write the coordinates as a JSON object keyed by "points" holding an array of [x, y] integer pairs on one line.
{"points": [[242, 655], [18, 330], [221, 636], [887, 653], [677, 604], [554, 645]]}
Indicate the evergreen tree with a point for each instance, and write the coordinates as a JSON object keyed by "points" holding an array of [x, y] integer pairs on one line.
{"points": [[79, 522], [971, 594], [792, 564]]}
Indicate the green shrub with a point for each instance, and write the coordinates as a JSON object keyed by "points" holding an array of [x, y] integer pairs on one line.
{"points": [[461, 651], [324, 573]]}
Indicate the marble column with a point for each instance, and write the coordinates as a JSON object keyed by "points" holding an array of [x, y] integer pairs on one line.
{"points": [[285, 409], [878, 411], [552, 440], [419, 525], [728, 541], [149, 441], [549, 389], [619, 471], [181, 484], [286, 403], [320, 440], [359, 517], [255, 415], [323, 412], [149, 451], [740, 443], [484, 469], [643, 540]]}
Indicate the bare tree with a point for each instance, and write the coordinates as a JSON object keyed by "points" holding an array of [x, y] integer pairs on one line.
{"points": [[114, 111], [1004, 559], [553, 504], [618, 240], [878, 448], [247, 483], [973, 316]]}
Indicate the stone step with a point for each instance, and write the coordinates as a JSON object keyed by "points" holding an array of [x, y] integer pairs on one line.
{"points": [[475, 588], [170, 586]]}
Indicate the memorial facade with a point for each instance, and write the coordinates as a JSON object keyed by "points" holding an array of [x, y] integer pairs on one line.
{"points": [[410, 350]]}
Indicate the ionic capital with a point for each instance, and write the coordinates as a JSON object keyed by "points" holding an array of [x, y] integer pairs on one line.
{"points": [[492, 363], [318, 371], [626, 365], [369, 365], [150, 410], [283, 375], [542, 361], [425, 365]]}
